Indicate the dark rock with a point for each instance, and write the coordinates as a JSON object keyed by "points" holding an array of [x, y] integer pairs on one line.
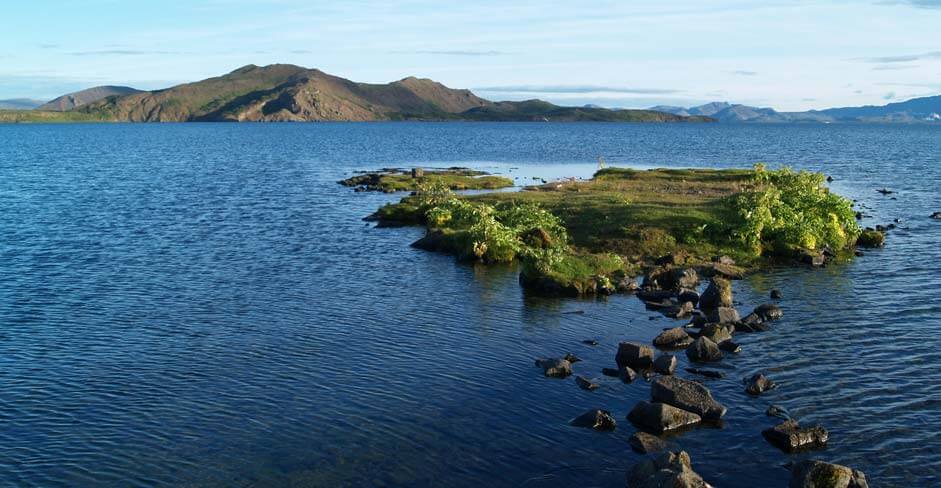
{"points": [[703, 350], [675, 338], [571, 358], [672, 258], [723, 315], [669, 278], [660, 417], [645, 443], [668, 470], [729, 346], [648, 295], [708, 373], [775, 294], [885, 192], [717, 294], [585, 383], [768, 311], [634, 355], [859, 254], [752, 323], [665, 364], [687, 395], [779, 412], [684, 309], [818, 474], [627, 375], [758, 384], [595, 419], [727, 271], [610, 372], [812, 258], [829, 179], [936, 216], [789, 436], [687, 295], [717, 333], [871, 238], [590, 342], [555, 367], [626, 285]]}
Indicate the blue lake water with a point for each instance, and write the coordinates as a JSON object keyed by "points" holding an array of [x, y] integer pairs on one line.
{"points": [[201, 305]]}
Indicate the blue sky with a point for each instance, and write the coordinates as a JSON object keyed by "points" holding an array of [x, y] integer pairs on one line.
{"points": [[791, 55]]}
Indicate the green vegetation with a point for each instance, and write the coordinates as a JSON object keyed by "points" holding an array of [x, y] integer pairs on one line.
{"points": [[391, 180], [43, 116], [577, 237], [871, 238]]}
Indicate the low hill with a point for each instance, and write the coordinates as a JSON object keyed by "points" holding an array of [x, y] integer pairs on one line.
{"points": [[84, 97], [19, 104], [925, 109]]}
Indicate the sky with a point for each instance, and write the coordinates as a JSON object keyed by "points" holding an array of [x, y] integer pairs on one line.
{"points": [[790, 55]]}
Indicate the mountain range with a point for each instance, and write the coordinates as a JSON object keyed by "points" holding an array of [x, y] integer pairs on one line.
{"points": [[20, 104], [925, 109]]}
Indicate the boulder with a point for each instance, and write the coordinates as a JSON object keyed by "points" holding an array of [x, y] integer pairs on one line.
{"points": [[758, 384], [645, 443], [585, 383], [718, 333], [730, 346], [776, 294], [684, 309], [708, 373], [595, 419], [627, 375], [660, 417], [610, 372], [668, 470], [626, 285], [871, 238], [675, 338], [555, 367], [717, 294], [687, 295], [818, 474], [703, 350], [686, 395], [752, 323], [768, 311], [789, 436], [723, 315], [634, 355], [665, 364], [670, 278]]}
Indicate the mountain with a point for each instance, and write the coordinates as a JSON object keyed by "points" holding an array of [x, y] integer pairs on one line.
{"points": [[282, 92], [926, 109], [79, 98], [20, 104]]}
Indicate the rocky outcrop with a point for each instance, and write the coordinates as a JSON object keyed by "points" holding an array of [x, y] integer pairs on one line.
{"points": [[758, 384], [789, 436], [687, 395], [555, 367], [595, 419], [675, 338], [660, 417], [634, 355], [717, 294], [668, 470], [703, 350], [818, 474]]}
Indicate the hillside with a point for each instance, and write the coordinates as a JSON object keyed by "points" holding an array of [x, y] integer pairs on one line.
{"points": [[84, 97], [925, 109], [287, 93], [19, 104]]}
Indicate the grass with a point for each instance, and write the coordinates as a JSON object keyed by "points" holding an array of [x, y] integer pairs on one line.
{"points": [[393, 180], [43, 116]]}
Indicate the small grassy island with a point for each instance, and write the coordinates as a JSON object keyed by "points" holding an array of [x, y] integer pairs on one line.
{"points": [[393, 179], [579, 237]]}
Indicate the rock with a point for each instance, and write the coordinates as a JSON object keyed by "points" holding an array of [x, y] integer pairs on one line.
{"points": [[687, 295], [645, 443], [669, 278], [595, 419], [717, 294], [665, 364], [672, 258], [936, 216], [708, 373], [729, 346], [684, 309], [812, 258], [779, 412], [571, 358], [871, 238], [775, 294], [585, 383], [610, 372], [668, 470], [727, 271], [758, 384], [634, 355], [660, 417], [703, 350], [858, 253], [723, 315], [768, 311], [626, 285], [590, 342], [723, 260], [686, 395], [627, 375], [789, 436], [555, 367], [885, 192], [752, 323], [818, 474], [675, 338], [718, 333]]}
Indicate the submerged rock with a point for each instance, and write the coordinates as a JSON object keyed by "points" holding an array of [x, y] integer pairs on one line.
{"points": [[667, 470], [768, 311], [687, 395], [595, 419], [818, 474], [660, 417], [703, 350], [590, 342], [675, 338], [779, 412], [585, 383], [775, 294], [634, 355], [717, 294], [758, 384], [555, 367], [645, 443], [665, 364], [708, 373], [789, 436]]}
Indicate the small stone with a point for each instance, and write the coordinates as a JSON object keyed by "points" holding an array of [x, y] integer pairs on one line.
{"points": [[645, 443], [585, 383], [703, 350], [758, 384], [665, 364], [936, 216], [717, 333], [687, 295], [789, 436], [660, 417], [595, 419], [634, 355], [667, 470], [555, 367]]}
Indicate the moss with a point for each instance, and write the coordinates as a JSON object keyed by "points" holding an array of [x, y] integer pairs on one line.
{"points": [[393, 180], [871, 238]]}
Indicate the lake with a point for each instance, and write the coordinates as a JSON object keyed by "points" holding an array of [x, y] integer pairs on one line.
{"points": [[202, 305]]}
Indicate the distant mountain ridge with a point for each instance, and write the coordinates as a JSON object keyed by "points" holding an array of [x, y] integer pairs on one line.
{"points": [[77, 99], [288, 93], [925, 109], [20, 104]]}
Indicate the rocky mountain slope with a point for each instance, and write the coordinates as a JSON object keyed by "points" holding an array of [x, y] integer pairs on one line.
{"points": [[72, 100]]}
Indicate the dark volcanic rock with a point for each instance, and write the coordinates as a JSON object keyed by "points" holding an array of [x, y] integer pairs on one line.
{"points": [[665, 364], [595, 419], [645, 443], [758, 384], [675, 338], [585, 383], [634, 355], [708, 373], [789, 436], [687, 395], [660, 417], [818, 474], [555, 367], [768, 311], [668, 470], [717, 294], [703, 350]]}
